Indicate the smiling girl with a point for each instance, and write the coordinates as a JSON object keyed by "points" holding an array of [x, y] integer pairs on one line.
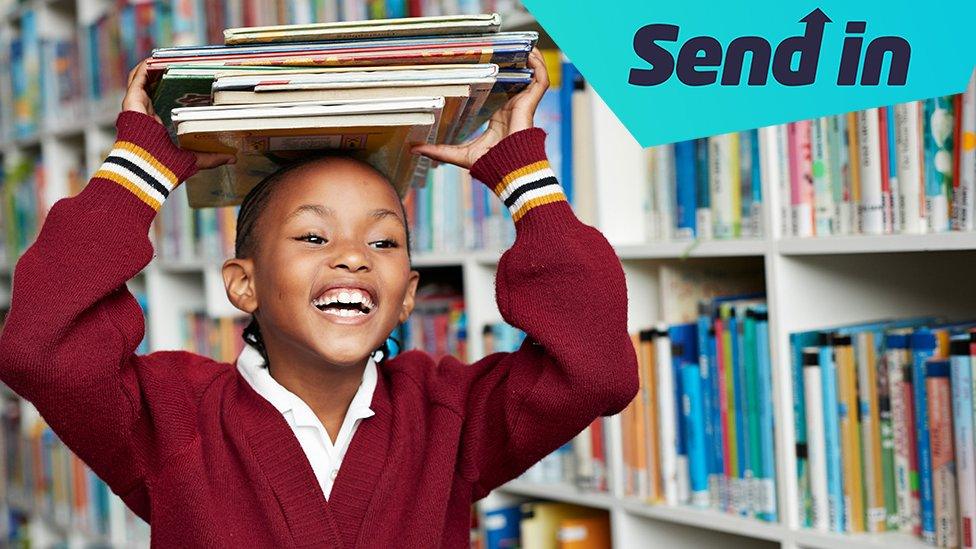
{"points": [[248, 454]]}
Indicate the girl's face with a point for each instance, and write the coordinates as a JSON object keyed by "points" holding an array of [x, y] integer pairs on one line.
{"points": [[330, 276]]}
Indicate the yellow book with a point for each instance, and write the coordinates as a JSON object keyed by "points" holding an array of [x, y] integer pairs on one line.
{"points": [[263, 145], [854, 165], [628, 434], [539, 528], [867, 388], [850, 438]]}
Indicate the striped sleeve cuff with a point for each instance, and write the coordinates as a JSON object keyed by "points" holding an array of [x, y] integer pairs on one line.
{"points": [[145, 161], [517, 170]]}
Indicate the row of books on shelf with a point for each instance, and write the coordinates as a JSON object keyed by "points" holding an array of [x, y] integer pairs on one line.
{"points": [[546, 525], [438, 324], [700, 431], [907, 168], [218, 338], [22, 208], [46, 69], [46, 481], [884, 420]]}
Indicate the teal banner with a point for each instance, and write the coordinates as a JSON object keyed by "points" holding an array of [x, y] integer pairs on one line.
{"points": [[673, 71]]}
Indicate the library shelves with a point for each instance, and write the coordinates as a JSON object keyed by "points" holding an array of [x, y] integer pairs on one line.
{"points": [[811, 282]]}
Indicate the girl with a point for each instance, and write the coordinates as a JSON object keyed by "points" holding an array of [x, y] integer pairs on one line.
{"points": [[247, 455]]}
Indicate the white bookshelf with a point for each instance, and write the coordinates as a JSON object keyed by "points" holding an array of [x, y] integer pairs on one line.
{"points": [[809, 283]]}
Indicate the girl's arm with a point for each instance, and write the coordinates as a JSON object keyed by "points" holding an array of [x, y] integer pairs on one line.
{"points": [[562, 284], [73, 326]]}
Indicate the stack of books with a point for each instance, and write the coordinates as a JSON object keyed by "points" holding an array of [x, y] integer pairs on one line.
{"points": [[372, 89]]}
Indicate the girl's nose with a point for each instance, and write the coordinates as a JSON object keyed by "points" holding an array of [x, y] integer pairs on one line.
{"points": [[351, 257]]}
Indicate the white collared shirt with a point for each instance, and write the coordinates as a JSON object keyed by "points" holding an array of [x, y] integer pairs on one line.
{"points": [[324, 456]]}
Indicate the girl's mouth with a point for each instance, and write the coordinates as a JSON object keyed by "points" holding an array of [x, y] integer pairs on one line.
{"points": [[345, 302]]}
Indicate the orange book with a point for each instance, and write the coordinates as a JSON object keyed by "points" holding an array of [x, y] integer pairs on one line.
{"points": [[627, 435], [649, 395], [585, 533], [850, 434]]}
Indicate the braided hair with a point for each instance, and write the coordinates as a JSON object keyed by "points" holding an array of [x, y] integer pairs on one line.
{"points": [[245, 243]]}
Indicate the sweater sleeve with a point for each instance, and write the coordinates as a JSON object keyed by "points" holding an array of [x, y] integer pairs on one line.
{"points": [[73, 326], [561, 283]]}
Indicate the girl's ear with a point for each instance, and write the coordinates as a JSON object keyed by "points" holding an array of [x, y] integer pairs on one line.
{"points": [[409, 296], [239, 283]]}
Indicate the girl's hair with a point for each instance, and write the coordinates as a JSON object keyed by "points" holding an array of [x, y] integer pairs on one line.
{"points": [[245, 244]]}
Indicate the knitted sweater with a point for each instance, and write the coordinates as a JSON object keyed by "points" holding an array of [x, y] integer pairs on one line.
{"points": [[193, 450]]}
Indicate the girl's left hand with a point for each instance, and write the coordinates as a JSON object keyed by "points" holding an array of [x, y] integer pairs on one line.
{"points": [[516, 115]]}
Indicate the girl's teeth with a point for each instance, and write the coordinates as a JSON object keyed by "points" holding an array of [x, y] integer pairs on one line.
{"points": [[344, 297]]}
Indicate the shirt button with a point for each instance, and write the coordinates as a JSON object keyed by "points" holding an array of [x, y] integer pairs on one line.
{"points": [[335, 473]]}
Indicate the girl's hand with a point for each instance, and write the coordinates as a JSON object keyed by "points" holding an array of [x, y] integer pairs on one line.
{"points": [[514, 116], [137, 99]]}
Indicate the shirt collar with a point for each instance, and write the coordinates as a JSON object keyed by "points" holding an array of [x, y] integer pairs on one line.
{"points": [[250, 364]]}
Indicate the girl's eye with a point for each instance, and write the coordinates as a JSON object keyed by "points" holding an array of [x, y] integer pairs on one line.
{"points": [[385, 243], [312, 238]]}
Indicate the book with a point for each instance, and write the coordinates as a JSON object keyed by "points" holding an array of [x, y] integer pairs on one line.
{"points": [[376, 28], [268, 136], [816, 444], [961, 372], [584, 532], [938, 147], [944, 490]]}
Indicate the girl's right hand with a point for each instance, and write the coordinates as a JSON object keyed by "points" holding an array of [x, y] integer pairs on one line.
{"points": [[137, 99]]}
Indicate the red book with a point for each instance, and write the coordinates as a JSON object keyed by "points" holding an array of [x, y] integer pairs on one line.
{"points": [[887, 198]]}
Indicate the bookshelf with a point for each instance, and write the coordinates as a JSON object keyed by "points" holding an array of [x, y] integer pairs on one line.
{"points": [[809, 282]]}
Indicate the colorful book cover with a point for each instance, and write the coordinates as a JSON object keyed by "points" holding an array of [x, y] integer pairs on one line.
{"points": [[870, 426], [854, 162], [652, 447], [692, 413], [767, 502], [964, 200], [799, 341], [824, 210], [801, 179], [886, 431], [836, 504], [850, 439], [686, 170], [667, 418], [923, 346], [751, 443], [890, 157], [938, 145], [684, 349], [703, 203], [724, 176], [944, 492], [746, 142], [962, 365]]}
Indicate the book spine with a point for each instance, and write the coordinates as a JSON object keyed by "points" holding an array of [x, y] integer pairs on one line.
{"points": [[839, 172], [816, 444], [750, 404], [938, 162], [768, 509], [869, 413], [703, 202], [853, 192], [723, 353], [693, 414], [891, 158], [887, 191], [777, 150], [965, 444], [923, 348], [664, 187], [850, 435], [902, 424], [686, 169], [723, 157], [704, 372], [832, 442], [824, 210], [871, 206], [964, 201], [943, 455], [911, 187], [746, 139], [666, 417], [738, 411], [804, 498], [717, 473], [682, 344], [886, 430], [801, 179], [756, 204]]}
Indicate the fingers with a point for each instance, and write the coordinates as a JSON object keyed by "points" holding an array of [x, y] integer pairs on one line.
{"points": [[450, 154], [212, 160], [540, 77]]}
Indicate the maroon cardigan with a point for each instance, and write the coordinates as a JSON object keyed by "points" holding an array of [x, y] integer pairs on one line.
{"points": [[193, 450]]}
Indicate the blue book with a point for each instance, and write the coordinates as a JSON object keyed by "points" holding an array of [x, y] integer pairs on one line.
{"points": [[693, 417], [705, 373], [683, 349], [703, 197], [797, 342], [686, 171], [502, 528], [739, 499], [756, 172], [831, 407], [764, 373], [571, 80], [923, 348], [892, 147]]}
